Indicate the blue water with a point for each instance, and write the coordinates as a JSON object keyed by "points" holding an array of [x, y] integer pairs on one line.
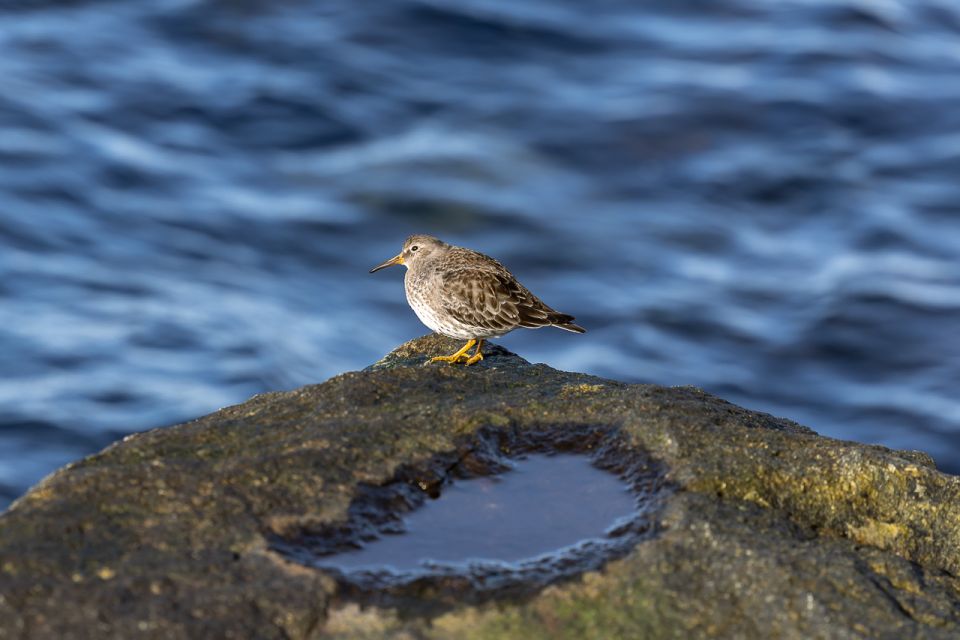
{"points": [[758, 198]]}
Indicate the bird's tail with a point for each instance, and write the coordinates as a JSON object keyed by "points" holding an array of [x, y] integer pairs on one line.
{"points": [[565, 322]]}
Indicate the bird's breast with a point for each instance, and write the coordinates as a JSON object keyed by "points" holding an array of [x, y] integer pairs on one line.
{"points": [[424, 289]]}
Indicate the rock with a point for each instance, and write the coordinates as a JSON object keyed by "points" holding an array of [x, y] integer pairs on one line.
{"points": [[762, 528]]}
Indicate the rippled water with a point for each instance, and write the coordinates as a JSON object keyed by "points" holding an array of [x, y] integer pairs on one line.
{"points": [[759, 198]]}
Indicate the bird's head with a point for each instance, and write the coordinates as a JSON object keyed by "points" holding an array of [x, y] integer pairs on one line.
{"points": [[416, 248]]}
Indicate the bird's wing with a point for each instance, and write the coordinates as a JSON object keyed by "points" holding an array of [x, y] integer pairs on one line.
{"points": [[488, 296]]}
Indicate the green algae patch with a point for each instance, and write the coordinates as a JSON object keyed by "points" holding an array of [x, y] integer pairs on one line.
{"points": [[767, 530]]}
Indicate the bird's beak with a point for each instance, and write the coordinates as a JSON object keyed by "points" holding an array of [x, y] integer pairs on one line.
{"points": [[389, 263]]}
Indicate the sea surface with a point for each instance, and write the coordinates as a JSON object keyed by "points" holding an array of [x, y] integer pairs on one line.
{"points": [[760, 198]]}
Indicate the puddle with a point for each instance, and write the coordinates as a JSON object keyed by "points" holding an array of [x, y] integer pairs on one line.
{"points": [[544, 504], [503, 515]]}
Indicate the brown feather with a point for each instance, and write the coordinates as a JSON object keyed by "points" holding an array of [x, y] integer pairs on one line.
{"points": [[480, 292]]}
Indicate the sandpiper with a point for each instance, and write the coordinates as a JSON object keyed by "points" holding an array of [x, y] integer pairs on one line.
{"points": [[466, 295]]}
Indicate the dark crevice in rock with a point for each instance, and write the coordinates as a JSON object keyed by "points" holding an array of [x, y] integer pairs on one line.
{"points": [[378, 510], [882, 584]]}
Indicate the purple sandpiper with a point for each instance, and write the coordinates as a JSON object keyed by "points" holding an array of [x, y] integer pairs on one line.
{"points": [[466, 295]]}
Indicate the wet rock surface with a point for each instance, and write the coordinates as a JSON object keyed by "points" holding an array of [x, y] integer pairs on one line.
{"points": [[755, 526]]}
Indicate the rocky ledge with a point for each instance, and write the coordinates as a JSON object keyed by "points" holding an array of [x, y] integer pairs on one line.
{"points": [[758, 527]]}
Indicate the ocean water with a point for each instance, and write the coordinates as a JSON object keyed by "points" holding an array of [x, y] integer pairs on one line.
{"points": [[760, 198]]}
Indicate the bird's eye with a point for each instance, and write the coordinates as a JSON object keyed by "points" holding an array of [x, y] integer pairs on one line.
{"points": [[414, 248]]}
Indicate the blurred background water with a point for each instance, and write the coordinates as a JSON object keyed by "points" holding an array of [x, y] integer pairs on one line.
{"points": [[761, 198]]}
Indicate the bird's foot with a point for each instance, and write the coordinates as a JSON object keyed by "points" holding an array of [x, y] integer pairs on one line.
{"points": [[455, 358], [477, 357]]}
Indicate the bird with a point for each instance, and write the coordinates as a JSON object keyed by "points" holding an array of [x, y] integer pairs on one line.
{"points": [[466, 295]]}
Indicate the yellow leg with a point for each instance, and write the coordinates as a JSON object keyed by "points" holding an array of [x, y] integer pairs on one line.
{"points": [[455, 357], [477, 356]]}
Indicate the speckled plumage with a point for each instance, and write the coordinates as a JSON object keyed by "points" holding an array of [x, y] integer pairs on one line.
{"points": [[464, 294]]}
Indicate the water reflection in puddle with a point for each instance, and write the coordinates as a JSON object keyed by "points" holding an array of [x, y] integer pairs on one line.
{"points": [[545, 504]]}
